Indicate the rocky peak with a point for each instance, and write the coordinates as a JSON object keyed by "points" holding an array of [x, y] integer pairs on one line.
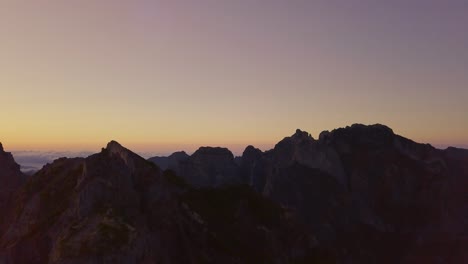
{"points": [[324, 136], [251, 153], [302, 148], [369, 129], [366, 129], [11, 179], [114, 215], [7, 161], [358, 134], [301, 135], [374, 126], [298, 138], [206, 152], [115, 147], [356, 180]]}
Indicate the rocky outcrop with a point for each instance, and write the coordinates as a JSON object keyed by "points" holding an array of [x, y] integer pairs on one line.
{"points": [[361, 184], [116, 207], [354, 187], [301, 148], [11, 179], [216, 166], [359, 194]]}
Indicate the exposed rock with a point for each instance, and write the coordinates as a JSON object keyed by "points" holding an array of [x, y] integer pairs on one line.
{"points": [[11, 179], [301, 148], [360, 194], [401, 188], [251, 154], [116, 207], [360, 185]]}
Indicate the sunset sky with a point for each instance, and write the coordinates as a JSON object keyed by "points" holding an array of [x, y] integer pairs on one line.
{"points": [[160, 76]]}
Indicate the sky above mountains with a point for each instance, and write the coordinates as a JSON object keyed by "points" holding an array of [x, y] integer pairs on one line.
{"points": [[177, 74]]}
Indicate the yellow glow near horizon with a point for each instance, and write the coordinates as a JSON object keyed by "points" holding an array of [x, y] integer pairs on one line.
{"points": [[176, 74]]}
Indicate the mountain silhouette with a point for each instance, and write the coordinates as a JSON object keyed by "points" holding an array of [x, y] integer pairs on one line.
{"points": [[116, 207], [11, 180], [359, 194]]}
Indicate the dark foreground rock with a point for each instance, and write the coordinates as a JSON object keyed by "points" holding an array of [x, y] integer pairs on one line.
{"points": [[11, 180], [366, 194], [116, 207]]}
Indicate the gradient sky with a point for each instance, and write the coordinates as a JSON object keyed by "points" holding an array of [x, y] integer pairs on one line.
{"points": [[172, 74]]}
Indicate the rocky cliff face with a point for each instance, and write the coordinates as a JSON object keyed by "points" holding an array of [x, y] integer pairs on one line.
{"points": [[116, 207], [361, 190], [360, 194], [11, 179]]}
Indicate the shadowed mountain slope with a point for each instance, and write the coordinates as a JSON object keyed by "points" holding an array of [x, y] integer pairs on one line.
{"points": [[116, 207], [362, 190], [11, 180], [360, 194]]}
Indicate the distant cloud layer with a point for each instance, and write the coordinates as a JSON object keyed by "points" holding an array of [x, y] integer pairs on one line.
{"points": [[35, 160]]}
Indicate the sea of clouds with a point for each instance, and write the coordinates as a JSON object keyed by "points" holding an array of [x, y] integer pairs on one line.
{"points": [[35, 160]]}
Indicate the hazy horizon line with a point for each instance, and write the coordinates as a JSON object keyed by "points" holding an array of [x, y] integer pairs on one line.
{"points": [[236, 148]]}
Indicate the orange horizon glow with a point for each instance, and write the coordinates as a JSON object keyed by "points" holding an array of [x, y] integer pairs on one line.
{"points": [[165, 148], [181, 74]]}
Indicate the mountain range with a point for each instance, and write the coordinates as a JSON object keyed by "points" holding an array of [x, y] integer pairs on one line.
{"points": [[360, 194]]}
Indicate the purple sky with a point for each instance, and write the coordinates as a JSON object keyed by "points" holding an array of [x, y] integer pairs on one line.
{"points": [[167, 75]]}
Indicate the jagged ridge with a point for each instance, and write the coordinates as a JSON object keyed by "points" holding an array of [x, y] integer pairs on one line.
{"points": [[360, 194], [116, 207]]}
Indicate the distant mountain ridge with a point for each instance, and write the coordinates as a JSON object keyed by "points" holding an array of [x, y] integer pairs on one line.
{"points": [[171, 161], [386, 181], [360, 194]]}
